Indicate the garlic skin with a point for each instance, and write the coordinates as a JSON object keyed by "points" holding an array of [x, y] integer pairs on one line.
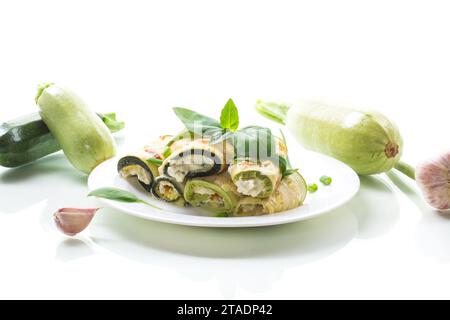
{"points": [[72, 221], [433, 178]]}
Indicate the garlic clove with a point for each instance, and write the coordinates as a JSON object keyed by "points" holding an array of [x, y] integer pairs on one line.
{"points": [[433, 178], [71, 221]]}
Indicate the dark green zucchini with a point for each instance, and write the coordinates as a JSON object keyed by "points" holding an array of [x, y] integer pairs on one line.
{"points": [[27, 139]]}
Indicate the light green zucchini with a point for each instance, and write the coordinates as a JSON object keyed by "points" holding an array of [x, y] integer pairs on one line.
{"points": [[84, 138], [216, 193], [290, 194], [365, 140], [255, 179]]}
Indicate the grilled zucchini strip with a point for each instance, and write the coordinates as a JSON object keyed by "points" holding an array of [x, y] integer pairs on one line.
{"points": [[138, 164], [212, 193], [167, 189], [255, 179], [196, 158], [290, 194]]}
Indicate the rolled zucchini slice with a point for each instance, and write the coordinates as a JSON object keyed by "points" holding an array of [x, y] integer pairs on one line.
{"points": [[290, 194], [167, 189], [215, 195], [255, 179], [144, 164], [138, 166], [194, 159]]}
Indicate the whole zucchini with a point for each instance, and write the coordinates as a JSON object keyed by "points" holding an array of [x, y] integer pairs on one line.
{"points": [[27, 139], [367, 141], [84, 138]]}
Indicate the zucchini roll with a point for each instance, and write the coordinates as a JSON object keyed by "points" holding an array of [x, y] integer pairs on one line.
{"points": [[215, 194], [196, 158], [290, 194], [143, 164], [255, 179], [167, 189]]}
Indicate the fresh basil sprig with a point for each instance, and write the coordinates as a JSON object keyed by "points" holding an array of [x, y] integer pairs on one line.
{"points": [[196, 122], [252, 142], [229, 117], [118, 195]]}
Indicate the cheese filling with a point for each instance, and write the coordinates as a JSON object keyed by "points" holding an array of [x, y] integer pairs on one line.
{"points": [[206, 196], [179, 168], [136, 171], [167, 190], [250, 187]]}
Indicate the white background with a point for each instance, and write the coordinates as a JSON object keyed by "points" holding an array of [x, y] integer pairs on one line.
{"points": [[140, 58]]}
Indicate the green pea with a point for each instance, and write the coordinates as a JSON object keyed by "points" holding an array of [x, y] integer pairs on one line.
{"points": [[326, 180]]}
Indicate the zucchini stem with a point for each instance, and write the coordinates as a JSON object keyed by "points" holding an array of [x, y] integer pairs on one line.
{"points": [[406, 169], [274, 111]]}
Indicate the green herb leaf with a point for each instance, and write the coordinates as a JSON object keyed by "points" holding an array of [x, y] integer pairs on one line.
{"points": [[195, 122], [118, 195], [326, 180], [110, 120], [254, 142], [288, 172], [312, 188], [222, 215], [217, 136], [156, 162], [229, 118], [166, 152]]}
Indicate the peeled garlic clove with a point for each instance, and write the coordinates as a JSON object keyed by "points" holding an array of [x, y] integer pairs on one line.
{"points": [[71, 221], [433, 178]]}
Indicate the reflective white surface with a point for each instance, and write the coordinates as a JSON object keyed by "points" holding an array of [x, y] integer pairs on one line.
{"points": [[140, 58]]}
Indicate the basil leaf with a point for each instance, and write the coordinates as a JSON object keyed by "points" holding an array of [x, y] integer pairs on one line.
{"points": [[254, 142], [195, 122], [217, 136], [117, 195], [288, 172], [156, 162], [229, 118]]}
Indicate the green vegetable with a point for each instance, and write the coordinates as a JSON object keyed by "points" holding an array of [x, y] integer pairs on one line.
{"points": [[253, 142], [289, 195], [211, 195], [222, 215], [27, 139], [166, 152], [138, 166], [229, 118], [168, 189], [84, 138], [312, 188], [156, 162], [196, 122], [326, 180], [264, 173], [118, 195], [367, 141], [111, 122]]}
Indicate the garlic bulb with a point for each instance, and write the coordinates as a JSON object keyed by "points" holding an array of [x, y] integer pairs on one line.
{"points": [[433, 178]]}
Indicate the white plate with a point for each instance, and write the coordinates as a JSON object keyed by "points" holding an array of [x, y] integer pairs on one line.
{"points": [[312, 166]]}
